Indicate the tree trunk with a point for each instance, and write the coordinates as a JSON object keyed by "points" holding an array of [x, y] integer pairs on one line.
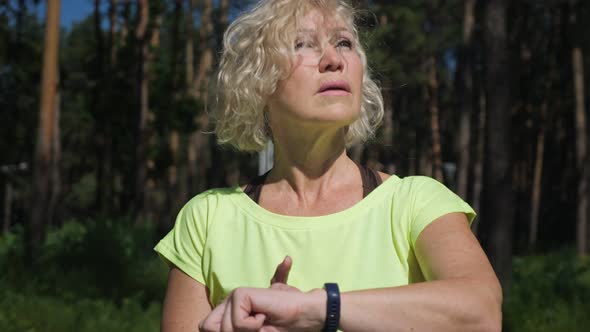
{"points": [[537, 178], [105, 190], [99, 37], [153, 207], [112, 34], [173, 195], [497, 213], [544, 123], [479, 158], [205, 52], [581, 152], [223, 16], [434, 121], [43, 172], [466, 88], [8, 196], [125, 22], [387, 143], [54, 206], [189, 48], [100, 120], [198, 149], [20, 15], [141, 137]]}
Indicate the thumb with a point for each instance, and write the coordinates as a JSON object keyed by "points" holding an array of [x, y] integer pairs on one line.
{"points": [[282, 272]]}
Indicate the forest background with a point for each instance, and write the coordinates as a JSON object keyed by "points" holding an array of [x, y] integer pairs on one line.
{"points": [[103, 136]]}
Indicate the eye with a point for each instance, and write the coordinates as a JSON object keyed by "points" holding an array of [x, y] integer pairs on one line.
{"points": [[344, 43], [303, 44]]}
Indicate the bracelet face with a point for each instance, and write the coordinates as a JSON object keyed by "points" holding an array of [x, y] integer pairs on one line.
{"points": [[332, 307]]}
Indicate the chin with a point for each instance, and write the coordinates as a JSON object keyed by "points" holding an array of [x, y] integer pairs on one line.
{"points": [[343, 116]]}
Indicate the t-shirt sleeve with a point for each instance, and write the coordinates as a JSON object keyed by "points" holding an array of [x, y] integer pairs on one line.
{"points": [[183, 246], [431, 200]]}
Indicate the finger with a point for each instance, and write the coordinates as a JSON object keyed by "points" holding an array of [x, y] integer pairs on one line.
{"points": [[269, 328], [212, 323], [243, 318], [282, 271], [226, 324]]}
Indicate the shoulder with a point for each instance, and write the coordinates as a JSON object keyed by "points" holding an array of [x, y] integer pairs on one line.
{"points": [[383, 176], [413, 183], [210, 201], [421, 184]]}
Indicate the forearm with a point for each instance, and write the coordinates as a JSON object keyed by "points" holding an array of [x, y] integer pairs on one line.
{"points": [[443, 305]]}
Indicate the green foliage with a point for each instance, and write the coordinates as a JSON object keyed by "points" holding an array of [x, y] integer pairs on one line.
{"points": [[30, 312], [99, 259], [93, 276], [549, 293]]}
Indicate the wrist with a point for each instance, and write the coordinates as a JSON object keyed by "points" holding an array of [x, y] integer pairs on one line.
{"points": [[332, 307], [316, 310]]}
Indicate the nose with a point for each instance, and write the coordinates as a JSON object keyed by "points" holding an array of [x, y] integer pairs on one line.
{"points": [[331, 60]]}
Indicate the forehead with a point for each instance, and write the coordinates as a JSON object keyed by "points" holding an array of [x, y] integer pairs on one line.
{"points": [[316, 20]]}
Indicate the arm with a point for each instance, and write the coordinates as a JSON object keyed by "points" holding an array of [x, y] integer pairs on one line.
{"points": [[185, 304], [463, 293]]}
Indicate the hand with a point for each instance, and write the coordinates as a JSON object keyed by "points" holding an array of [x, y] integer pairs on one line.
{"points": [[282, 272], [263, 309], [279, 279]]}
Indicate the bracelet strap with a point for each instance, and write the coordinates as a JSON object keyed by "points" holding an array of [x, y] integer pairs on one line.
{"points": [[332, 308]]}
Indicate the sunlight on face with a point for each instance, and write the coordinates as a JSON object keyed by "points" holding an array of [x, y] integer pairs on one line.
{"points": [[324, 84]]}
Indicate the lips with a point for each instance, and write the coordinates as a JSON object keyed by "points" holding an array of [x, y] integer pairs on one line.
{"points": [[334, 88]]}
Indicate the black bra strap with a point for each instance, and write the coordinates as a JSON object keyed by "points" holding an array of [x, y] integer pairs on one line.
{"points": [[254, 188], [370, 178]]}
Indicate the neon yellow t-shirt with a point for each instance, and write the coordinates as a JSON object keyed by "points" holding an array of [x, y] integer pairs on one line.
{"points": [[225, 240]]}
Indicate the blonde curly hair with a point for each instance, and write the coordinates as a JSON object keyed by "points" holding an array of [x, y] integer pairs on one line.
{"points": [[254, 60]]}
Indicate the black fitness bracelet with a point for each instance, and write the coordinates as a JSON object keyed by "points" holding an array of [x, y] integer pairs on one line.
{"points": [[332, 308]]}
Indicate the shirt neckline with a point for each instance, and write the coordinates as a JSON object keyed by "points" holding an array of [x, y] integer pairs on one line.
{"points": [[262, 215]]}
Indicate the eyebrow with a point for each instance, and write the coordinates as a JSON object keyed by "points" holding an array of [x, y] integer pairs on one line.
{"points": [[339, 29]]}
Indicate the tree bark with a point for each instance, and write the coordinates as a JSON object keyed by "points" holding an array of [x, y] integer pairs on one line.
{"points": [[223, 16], [20, 15], [544, 123], [205, 52], [141, 137], [434, 120], [497, 226], [537, 178], [173, 195], [8, 197], [43, 173], [581, 152], [189, 47], [466, 88], [198, 150], [105, 190], [125, 22], [100, 122], [479, 159], [113, 34], [54, 206]]}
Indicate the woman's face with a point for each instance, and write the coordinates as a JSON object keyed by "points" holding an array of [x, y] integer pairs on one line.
{"points": [[325, 82]]}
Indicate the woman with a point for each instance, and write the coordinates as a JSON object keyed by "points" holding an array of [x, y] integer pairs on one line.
{"points": [[400, 250]]}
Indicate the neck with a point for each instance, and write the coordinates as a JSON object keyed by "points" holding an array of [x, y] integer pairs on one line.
{"points": [[310, 161]]}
